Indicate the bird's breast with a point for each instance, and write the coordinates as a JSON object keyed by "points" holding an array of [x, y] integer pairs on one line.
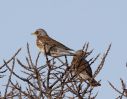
{"points": [[40, 45]]}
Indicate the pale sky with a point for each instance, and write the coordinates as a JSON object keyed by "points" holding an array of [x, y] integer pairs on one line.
{"points": [[72, 22]]}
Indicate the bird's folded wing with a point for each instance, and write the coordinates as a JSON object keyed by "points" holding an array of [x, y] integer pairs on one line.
{"points": [[54, 43], [85, 67]]}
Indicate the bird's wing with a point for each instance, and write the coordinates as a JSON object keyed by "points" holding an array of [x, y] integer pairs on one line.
{"points": [[54, 43], [84, 66]]}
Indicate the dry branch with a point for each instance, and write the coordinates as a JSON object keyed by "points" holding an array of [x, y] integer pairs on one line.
{"points": [[52, 79]]}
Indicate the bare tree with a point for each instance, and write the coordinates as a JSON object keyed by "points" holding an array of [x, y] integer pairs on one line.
{"points": [[49, 80]]}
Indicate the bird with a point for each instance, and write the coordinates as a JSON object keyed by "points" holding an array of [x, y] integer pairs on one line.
{"points": [[81, 69], [50, 46]]}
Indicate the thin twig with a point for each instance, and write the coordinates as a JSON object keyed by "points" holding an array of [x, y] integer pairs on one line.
{"points": [[11, 58], [102, 62], [11, 72]]}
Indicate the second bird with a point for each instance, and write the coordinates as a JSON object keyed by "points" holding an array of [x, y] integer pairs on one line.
{"points": [[50, 46], [81, 68]]}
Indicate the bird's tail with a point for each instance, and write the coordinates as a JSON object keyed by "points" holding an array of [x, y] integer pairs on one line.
{"points": [[94, 83], [68, 53], [71, 54]]}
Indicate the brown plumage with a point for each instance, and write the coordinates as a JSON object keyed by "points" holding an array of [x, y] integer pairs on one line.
{"points": [[81, 68], [49, 45]]}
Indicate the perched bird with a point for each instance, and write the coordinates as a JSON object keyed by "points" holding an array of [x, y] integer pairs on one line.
{"points": [[80, 67], [50, 46]]}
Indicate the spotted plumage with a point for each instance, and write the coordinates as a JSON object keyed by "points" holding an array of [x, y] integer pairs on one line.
{"points": [[81, 68], [49, 45]]}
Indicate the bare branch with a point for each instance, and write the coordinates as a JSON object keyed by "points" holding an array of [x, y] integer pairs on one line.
{"points": [[11, 58], [11, 72], [102, 62]]}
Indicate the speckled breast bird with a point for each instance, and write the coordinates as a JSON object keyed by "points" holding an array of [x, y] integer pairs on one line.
{"points": [[50, 46], [81, 68]]}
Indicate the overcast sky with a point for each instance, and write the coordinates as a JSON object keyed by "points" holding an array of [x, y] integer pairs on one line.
{"points": [[72, 22]]}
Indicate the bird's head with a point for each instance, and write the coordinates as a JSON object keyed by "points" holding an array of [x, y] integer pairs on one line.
{"points": [[81, 53], [40, 32]]}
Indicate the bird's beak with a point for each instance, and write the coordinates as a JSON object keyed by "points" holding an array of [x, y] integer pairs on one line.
{"points": [[33, 33]]}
